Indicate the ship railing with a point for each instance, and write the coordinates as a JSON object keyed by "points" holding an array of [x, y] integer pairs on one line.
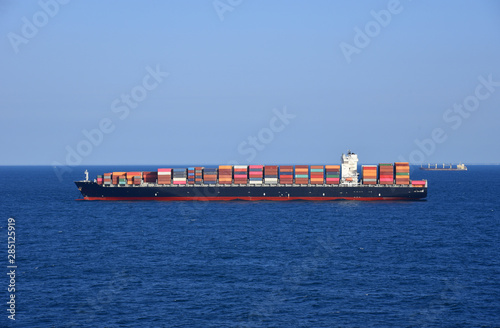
{"points": [[350, 184]]}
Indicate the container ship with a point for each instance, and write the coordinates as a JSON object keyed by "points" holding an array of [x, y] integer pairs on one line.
{"points": [[385, 181], [459, 167]]}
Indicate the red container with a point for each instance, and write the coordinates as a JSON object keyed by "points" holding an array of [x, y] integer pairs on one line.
{"points": [[271, 169], [149, 176]]}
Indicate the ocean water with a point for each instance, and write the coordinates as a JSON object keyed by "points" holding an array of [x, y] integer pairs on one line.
{"points": [[433, 263]]}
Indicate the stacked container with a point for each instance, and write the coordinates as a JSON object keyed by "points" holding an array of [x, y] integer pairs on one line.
{"points": [[149, 177], [418, 183], [255, 173], [116, 176], [164, 176], [107, 179], [100, 179], [137, 180], [271, 174], [286, 174], [132, 175], [332, 174], [225, 174], [385, 173], [198, 175], [240, 174], [210, 176], [191, 173], [369, 174], [180, 176], [301, 174], [402, 173], [122, 180], [317, 174]]}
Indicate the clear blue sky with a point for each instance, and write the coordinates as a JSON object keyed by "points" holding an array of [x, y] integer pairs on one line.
{"points": [[381, 78]]}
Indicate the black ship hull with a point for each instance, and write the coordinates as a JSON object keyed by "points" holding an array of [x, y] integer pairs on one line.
{"points": [[93, 191]]}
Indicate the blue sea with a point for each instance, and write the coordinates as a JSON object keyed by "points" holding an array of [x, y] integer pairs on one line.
{"points": [[433, 263]]}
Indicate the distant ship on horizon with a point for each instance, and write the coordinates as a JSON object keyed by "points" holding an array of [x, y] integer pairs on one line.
{"points": [[459, 167]]}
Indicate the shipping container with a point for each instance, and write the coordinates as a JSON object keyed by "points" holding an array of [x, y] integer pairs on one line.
{"points": [[402, 173], [149, 177], [255, 174], [386, 173], [270, 180], [122, 179], [271, 174], [301, 174], [369, 173], [285, 174], [317, 175], [130, 176], [198, 177], [332, 180], [332, 174], [115, 176], [107, 179], [225, 174], [210, 175], [164, 176]]}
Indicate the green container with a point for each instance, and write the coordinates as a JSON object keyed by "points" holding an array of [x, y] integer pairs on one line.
{"points": [[316, 170], [302, 176], [402, 173]]}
